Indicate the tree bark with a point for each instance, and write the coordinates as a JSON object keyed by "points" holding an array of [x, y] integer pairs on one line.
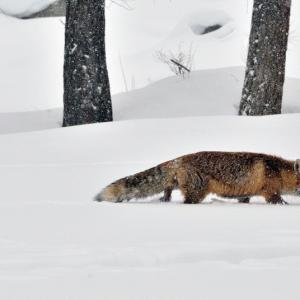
{"points": [[87, 96], [265, 73]]}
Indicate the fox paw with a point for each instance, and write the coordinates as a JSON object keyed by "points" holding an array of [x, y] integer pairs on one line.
{"points": [[245, 200], [164, 199], [279, 201], [283, 202]]}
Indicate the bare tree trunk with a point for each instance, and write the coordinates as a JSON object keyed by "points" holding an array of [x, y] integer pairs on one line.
{"points": [[265, 73], [87, 96]]}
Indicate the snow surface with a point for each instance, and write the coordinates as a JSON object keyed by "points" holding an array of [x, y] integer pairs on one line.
{"points": [[56, 243], [205, 92], [24, 7], [165, 25], [133, 38]]}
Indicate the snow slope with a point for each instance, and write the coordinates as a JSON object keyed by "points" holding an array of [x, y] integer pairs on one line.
{"points": [[30, 121], [56, 243], [31, 64], [32, 50], [166, 25], [205, 92], [24, 7]]}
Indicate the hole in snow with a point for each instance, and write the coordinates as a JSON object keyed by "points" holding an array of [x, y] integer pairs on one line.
{"points": [[209, 22], [200, 30]]}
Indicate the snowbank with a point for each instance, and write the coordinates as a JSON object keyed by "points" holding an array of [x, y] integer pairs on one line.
{"points": [[31, 63], [56, 243], [24, 7], [204, 93]]}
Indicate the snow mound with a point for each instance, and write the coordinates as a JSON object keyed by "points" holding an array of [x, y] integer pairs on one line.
{"points": [[205, 92], [25, 7]]}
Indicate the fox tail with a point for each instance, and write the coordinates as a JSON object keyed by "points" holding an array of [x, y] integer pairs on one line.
{"points": [[144, 184]]}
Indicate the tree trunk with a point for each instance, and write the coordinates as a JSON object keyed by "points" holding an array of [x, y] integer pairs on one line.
{"points": [[87, 96], [265, 73]]}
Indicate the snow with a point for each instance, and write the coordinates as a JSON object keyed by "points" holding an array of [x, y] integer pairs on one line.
{"points": [[206, 92], [31, 64], [24, 7], [165, 25], [150, 26], [199, 21], [30, 121], [57, 243]]}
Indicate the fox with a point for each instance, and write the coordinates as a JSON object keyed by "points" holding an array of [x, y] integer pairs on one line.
{"points": [[239, 175]]}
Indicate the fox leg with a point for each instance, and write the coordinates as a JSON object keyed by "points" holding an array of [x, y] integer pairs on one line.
{"points": [[193, 186], [274, 199], [194, 197], [243, 199], [167, 195]]}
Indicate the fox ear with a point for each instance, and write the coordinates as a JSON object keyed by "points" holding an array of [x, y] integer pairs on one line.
{"points": [[297, 166]]}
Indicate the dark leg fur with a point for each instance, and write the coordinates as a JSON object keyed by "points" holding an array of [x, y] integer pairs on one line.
{"points": [[167, 195], [241, 199], [244, 200], [194, 197], [275, 199]]}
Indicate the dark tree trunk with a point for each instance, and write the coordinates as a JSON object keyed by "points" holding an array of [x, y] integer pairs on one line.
{"points": [[265, 73], [87, 96]]}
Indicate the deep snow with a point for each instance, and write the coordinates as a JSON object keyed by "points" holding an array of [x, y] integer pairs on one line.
{"points": [[203, 93], [24, 7], [133, 37], [56, 243]]}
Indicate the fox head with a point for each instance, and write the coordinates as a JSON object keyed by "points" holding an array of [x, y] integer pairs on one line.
{"points": [[297, 171], [297, 165]]}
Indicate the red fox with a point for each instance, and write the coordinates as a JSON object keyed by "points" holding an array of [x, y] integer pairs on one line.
{"points": [[238, 175]]}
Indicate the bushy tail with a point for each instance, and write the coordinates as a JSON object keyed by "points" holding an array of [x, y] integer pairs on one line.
{"points": [[140, 185]]}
